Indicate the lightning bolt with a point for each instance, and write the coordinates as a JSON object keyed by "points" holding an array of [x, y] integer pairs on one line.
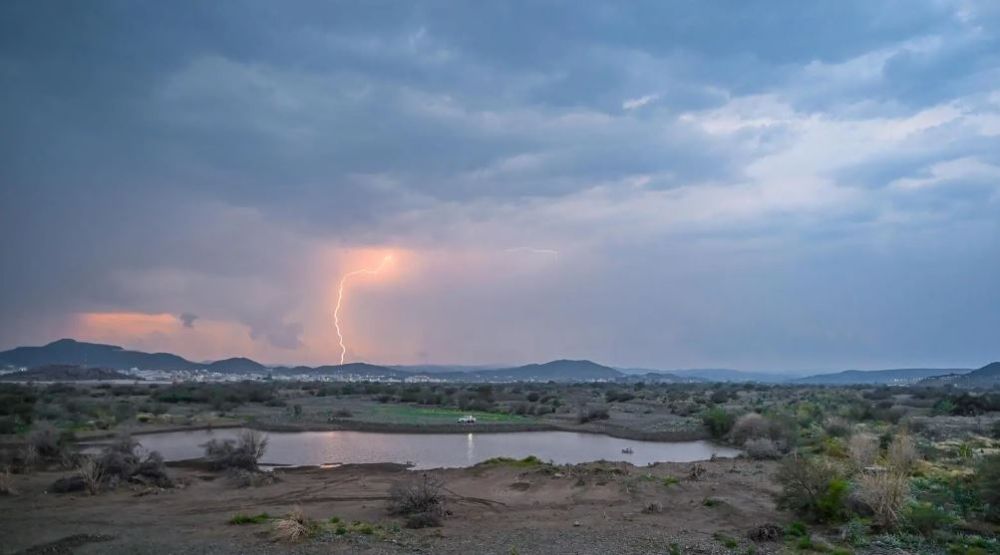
{"points": [[340, 298]]}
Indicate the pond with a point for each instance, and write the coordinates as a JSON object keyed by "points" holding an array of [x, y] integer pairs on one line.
{"points": [[438, 450]]}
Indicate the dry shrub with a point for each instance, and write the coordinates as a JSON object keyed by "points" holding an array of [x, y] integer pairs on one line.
{"points": [[837, 426], [653, 508], [45, 440], [902, 454], [766, 533], [696, 472], [93, 476], [6, 482], [152, 471], [762, 448], [750, 426], [119, 458], [240, 478], [118, 462], [863, 449], [420, 500], [29, 456], [885, 494], [293, 527], [244, 453]]}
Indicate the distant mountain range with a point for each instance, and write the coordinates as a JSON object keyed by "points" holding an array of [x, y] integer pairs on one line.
{"points": [[894, 376], [94, 355], [69, 351]]}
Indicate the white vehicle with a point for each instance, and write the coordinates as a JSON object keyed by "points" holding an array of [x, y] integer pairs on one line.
{"points": [[467, 419]]}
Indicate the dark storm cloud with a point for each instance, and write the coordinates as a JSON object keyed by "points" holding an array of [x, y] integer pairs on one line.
{"points": [[163, 157], [188, 319]]}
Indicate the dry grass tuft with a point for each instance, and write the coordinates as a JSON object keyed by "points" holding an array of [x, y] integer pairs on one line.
{"points": [[863, 449], [885, 494], [294, 527], [92, 473], [902, 455], [6, 482]]}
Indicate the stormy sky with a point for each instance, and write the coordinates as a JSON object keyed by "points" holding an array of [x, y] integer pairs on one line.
{"points": [[775, 185]]}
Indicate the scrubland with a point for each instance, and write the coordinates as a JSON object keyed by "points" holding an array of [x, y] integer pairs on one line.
{"points": [[826, 470]]}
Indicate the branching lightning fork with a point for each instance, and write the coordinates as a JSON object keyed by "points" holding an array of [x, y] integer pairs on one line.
{"points": [[340, 298]]}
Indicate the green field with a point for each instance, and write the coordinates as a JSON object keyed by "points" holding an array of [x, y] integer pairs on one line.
{"points": [[406, 414]]}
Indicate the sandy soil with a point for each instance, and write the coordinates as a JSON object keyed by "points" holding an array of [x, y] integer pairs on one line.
{"points": [[591, 508]]}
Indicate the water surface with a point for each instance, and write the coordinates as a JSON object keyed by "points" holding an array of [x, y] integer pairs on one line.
{"points": [[438, 450]]}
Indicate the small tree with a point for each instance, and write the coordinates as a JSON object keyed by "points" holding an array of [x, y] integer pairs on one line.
{"points": [[245, 453], [420, 500], [718, 421], [813, 487]]}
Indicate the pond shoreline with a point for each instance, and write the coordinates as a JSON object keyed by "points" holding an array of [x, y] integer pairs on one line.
{"points": [[348, 425], [441, 450]]}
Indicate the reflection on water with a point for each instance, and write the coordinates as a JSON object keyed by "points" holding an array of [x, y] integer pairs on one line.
{"points": [[438, 450]]}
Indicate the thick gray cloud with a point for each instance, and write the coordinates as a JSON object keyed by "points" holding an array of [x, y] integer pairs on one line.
{"points": [[763, 186]]}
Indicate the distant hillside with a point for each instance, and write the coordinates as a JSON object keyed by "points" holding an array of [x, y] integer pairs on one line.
{"points": [[726, 375], [893, 376], [65, 373], [69, 351], [653, 376], [351, 370], [237, 365], [987, 376], [557, 370], [443, 368]]}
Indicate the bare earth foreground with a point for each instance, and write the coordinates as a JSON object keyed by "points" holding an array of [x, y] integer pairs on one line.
{"points": [[501, 509]]}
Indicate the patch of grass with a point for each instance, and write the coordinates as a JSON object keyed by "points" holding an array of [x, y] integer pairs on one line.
{"points": [[711, 502], [407, 414], [530, 461], [797, 530], [671, 481], [728, 542], [341, 530], [240, 518], [334, 519]]}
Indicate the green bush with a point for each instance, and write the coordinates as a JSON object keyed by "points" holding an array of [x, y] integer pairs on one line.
{"points": [[813, 487], [925, 518], [718, 421], [830, 505], [988, 483]]}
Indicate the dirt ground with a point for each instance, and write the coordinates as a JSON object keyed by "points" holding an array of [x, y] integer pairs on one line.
{"points": [[504, 509]]}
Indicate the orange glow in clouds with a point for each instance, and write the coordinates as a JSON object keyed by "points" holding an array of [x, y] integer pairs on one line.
{"points": [[208, 339], [387, 259]]}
